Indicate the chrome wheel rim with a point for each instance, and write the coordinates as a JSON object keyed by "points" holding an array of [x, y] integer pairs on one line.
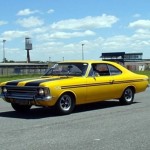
{"points": [[128, 95], [65, 102]]}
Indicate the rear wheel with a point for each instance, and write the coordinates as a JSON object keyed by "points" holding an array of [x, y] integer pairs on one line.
{"points": [[65, 104], [20, 108], [127, 96]]}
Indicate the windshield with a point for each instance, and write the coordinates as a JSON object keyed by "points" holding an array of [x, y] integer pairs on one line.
{"points": [[68, 69]]}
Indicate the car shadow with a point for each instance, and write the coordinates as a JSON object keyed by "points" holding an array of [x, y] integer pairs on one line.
{"points": [[44, 112], [99, 105], [34, 113]]}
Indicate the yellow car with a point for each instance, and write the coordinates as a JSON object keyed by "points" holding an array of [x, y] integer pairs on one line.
{"points": [[71, 83]]}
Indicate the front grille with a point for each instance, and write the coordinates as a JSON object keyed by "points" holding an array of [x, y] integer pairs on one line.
{"points": [[24, 92]]}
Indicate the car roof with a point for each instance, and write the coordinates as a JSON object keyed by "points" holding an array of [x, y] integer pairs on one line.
{"points": [[88, 61]]}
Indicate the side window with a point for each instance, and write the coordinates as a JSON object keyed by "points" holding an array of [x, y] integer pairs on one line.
{"points": [[113, 70], [100, 69]]}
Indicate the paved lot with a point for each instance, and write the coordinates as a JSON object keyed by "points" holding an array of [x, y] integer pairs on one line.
{"points": [[101, 126]]}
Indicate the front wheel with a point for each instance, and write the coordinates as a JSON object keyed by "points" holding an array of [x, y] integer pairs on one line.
{"points": [[20, 108], [127, 96], [65, 104]]}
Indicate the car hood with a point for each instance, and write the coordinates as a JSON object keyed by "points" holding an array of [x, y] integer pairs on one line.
{"points": [[34, 82]]}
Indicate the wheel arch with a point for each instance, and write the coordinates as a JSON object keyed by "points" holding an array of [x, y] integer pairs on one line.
{"points": [[65, 103], [72, 94], [133, 88], [130, 86]]}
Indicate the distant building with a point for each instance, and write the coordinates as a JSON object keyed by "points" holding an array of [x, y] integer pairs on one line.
{"points": [[132, 61], [133, 57], [122, 57]]}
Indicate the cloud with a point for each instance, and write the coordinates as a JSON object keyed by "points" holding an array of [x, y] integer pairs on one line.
{"points": [[12, 34], [3, 23], [118, 42], [26, 12], [137, 15], [50, 11], [103, 21], [140, 24], [30, 22], [64, 35], [39, 30], [137, 42]]}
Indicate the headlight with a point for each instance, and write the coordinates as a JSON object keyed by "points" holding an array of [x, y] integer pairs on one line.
{"points": [[47, 91], [41, 92], [4, 90]]}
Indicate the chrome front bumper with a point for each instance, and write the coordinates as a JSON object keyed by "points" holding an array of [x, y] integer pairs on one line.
{"points": [[26, 97], [24, 94]]}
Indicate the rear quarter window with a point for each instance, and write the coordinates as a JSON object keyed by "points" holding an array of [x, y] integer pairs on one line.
{"points": [[113, 70]]}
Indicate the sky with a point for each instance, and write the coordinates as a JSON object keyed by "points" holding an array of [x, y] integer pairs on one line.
{"points": [[63, 29]]}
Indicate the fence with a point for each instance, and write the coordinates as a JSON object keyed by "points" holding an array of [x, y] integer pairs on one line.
{"points": [[22, 68]]}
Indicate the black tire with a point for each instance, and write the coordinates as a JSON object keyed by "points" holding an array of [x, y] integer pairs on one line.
{"points": [[65, 104], [20, 108], [127, 96]]}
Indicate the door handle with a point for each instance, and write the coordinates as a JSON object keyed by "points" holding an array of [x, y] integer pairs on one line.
{"points": [[112, 81]]}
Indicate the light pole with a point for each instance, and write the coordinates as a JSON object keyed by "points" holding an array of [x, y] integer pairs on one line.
{"points": [[82, 52], [4, 50]]}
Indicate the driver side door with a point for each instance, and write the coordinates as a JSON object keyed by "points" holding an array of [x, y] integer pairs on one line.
{"points": [[99, 83]]}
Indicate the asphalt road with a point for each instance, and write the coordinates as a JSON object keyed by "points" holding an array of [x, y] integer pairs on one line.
{"points": [[100, 126]]}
